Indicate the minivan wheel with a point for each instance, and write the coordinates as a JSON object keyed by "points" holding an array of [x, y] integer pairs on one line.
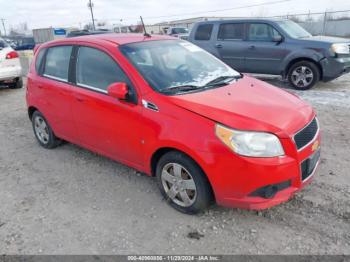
{"points": [[43, 131], [303, 75], [17, 84], [182, 183]]}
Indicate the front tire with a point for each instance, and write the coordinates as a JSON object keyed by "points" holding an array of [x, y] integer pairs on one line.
{"points": [[43, 131], [303, 75], [182, 183]]}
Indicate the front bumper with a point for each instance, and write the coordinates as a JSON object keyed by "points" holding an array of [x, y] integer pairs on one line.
{"points": [[334, 67], [236, 179]]}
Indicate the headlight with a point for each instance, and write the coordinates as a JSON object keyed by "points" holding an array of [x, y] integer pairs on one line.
{"points": [[340, 48], [246, 143]]}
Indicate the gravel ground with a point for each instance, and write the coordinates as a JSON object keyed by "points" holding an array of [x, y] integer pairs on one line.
{"points": [[72, 201]]}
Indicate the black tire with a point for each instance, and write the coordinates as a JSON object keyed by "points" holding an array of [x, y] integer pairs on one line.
{"points": [[309, 67], [17, 84], [52, 141], [203, 196]]}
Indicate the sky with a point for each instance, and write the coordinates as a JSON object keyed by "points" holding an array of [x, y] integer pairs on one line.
{"points": [[65, 13]]}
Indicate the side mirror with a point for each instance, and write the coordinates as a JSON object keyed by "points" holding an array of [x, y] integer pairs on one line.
{"points": [[118, 90], [277, 39]]}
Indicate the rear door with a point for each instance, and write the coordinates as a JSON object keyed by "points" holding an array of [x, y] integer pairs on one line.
{"points": [[230, 44], [262, 55], [53, 91], [105, 124]]}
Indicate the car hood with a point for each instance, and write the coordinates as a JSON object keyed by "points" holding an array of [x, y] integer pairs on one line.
{"points": [[249, 104], [327, 39]]}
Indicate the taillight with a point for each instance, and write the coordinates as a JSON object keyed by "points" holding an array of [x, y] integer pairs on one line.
{"points": [[11, 55]]}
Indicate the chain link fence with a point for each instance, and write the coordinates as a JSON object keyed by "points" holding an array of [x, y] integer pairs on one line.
{"points": [[330, 23]]}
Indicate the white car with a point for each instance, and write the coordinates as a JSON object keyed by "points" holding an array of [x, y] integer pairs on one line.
{"points": [[10, 66]]}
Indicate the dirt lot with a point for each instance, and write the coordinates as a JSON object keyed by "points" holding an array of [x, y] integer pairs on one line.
{"points": [[71, 201]]}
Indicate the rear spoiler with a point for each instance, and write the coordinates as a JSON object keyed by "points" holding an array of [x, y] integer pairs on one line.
{"points": [[36, 47]]}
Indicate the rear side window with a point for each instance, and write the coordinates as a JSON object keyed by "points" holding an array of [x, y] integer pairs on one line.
{"points": [[38, 60], [57, 62], [203, 32], [97, 70], [231, 32]]}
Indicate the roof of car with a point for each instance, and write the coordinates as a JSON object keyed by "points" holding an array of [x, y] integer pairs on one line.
{"points": [[118, 39], [244, 20]]}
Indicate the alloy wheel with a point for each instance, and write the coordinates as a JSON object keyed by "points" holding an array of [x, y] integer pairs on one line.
{"points": [[178, 184], [41, 130], [302, 76]]}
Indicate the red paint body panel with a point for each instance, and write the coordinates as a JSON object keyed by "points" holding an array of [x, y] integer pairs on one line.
{"points": [[131, 133]]}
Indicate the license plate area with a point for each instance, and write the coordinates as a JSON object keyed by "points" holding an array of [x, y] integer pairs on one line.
{"points": [[308, 165]]}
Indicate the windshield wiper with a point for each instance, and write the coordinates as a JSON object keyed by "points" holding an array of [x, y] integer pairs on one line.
{"points": [[182, 88], [222, 80]]}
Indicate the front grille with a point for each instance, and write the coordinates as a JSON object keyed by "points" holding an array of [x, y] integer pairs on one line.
{"points": [[307, 134], [308, 165]]}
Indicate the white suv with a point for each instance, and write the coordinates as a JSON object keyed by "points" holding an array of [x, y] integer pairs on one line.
{"points": [[10, 66]]}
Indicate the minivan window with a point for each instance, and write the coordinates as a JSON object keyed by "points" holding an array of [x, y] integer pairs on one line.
{"points": [[38, 60], [203, 32], [233, 31], [57, 62], [261, 32], [97, 70]]}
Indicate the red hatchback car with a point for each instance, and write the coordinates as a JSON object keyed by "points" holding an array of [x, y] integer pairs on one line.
{"points": [[170, 109]]}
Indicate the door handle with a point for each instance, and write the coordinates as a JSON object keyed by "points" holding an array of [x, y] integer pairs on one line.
{"points": [[40, 87], [218, 45], [252, 47]]}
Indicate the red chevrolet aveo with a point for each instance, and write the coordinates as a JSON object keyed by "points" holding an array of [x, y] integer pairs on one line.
{"points": [[170, 109]]}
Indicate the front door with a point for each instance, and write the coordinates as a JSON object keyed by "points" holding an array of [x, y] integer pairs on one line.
{"points": [[262, 54], [105, 124]]}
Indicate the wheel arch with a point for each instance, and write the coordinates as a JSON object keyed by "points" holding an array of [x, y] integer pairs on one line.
{"points": [[163, 150], [31, 110], [299, 59]]}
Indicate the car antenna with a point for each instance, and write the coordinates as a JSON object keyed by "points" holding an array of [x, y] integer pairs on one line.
{"points": [[144, 29]]}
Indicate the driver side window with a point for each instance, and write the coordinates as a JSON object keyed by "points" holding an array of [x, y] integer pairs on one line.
{"points": [[261, 32], [96, 70]]}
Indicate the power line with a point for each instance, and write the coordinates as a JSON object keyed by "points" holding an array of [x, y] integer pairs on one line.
{"points": [[212, 11]]}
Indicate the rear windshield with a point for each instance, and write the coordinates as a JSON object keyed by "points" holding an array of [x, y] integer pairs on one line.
{"points": [[179, 30], [3, 43]]}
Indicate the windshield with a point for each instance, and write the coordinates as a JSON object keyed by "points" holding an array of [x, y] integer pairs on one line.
{"points": [[293, 29], [167, 64], [179, 31]]}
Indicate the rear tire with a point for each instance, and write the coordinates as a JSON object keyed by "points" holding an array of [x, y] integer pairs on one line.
{"points": [[43, 132], [17, 84], [303, 75], [183, 183]]}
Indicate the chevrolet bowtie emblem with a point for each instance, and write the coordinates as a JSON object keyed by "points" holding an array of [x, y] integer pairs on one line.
{"points": [[315, 145]]}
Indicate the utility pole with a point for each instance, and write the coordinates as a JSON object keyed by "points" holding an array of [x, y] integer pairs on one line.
{"points": [[3, 25], [91, 5]]}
